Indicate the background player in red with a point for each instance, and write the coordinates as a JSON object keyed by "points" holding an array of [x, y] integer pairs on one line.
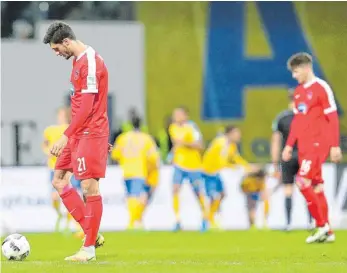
{"points": [[315, 129], [83, 149]]}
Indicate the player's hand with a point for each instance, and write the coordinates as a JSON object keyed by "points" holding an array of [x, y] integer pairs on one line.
{"points": [[277, 172], [110, 146], [58, 147], [287, 153], [277, 175], [335, 154]]}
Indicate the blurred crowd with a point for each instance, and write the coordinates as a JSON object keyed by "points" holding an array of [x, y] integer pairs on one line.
{"points": [[18, 18]]}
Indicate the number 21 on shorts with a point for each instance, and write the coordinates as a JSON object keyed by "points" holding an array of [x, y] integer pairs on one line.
{"points": [[81, 164], [305, 167]]}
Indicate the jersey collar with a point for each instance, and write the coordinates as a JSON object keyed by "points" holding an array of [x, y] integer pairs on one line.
{"points": [[84, 52], [308, 84]]}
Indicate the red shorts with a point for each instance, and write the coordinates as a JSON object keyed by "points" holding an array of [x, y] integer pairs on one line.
{"points": [[311, 164], [85, 157]]}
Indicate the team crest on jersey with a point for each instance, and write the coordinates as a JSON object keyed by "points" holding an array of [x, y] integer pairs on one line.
{"points": [[309, 95], [77, 73], [302, 108]]}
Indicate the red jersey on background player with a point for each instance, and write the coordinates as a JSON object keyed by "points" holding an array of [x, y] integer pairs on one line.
{"points": [[315, 128], [83, 149]]}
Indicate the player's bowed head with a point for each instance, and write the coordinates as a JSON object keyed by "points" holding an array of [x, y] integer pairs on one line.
{"points": [[300, 64], [62, 40]]}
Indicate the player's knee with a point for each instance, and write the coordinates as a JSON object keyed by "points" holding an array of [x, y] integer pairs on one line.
{"points": [[176, 188], [55, 196], [252, 212], [216, 196], [143, 198], [198, 193], [303, 182], [90, 187], [59, 184], [222, 195], [288, 190]]}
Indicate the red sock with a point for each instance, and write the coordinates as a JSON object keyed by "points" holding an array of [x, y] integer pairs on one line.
{"points": [[93, 219], [324, 205], [75, 206], [313, 205]]}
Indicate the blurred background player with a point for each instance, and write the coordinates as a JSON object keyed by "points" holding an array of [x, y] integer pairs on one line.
{"points": [[221, 152], [151, 183], [315, 130], [285, 171], [137, 155], [187, 148], [254, 187], [52, 134]]}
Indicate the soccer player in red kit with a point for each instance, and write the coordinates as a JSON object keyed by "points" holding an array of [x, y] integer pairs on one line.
{"points": [[83, 149], [315, 129]]}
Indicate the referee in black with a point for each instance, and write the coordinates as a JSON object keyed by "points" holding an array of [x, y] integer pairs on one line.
{"points": [[287, 170]]}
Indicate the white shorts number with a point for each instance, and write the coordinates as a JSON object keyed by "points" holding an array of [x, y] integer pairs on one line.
{"points": [[81, 164], [305, 167]]}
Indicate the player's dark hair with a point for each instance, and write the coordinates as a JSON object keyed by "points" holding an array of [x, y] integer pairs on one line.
{"points": [[136, 123], [57, 32], [299, 59], [259, 174], [228, 129]]}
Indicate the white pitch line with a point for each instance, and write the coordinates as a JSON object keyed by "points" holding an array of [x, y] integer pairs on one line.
{"points": [[124, 263]]}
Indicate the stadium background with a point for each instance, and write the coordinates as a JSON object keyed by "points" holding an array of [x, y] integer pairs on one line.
{"points": [[224, 61], [230, 58]]}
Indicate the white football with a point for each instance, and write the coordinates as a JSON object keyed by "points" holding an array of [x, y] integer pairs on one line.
{"points": [[15, 247]]}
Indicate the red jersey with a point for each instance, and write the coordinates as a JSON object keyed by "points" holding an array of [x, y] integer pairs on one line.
{"points": [[89, 79], [315, 121]]}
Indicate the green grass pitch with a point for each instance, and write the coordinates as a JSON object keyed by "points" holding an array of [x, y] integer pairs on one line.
{"points": [[193, 252]]}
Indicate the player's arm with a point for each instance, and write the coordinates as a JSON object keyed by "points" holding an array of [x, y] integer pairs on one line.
{"points": [[330, 111], [198, 141], [45, 142], [89, 91], [116, 153], [172, 135], [276, 143], [197, 144], [153, 155], [237, 159]]}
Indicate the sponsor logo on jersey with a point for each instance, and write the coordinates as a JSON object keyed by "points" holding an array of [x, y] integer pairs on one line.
{"points": [[302, 108]]}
